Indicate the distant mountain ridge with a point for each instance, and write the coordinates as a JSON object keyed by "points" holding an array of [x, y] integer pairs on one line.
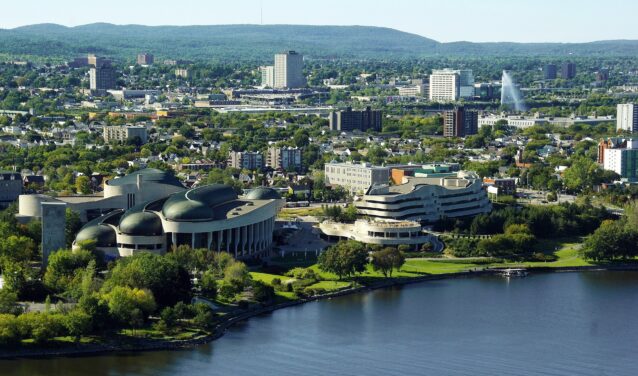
{"points": [[259, 42]]}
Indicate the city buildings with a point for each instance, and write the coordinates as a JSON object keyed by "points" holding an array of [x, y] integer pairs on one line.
{"points": [[427, 199], [211, 216], [284, 158], [288, 70], [549, 71], [627, 117], [460, 122], [123, 133], [621, 156], [267, 76], [119, 193], [448, 85], [349, 120], [10, 187], [355, 178], [145, 59], [251, 160], [568, 70]]}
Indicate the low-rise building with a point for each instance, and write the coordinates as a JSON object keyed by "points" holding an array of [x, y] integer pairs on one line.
{"points": [[10, 187], [621, 156], [427, 199], [211, 217], [355, 178], [379, 232], [251, 160], [349, 120], [123, 133], [284, 158]]}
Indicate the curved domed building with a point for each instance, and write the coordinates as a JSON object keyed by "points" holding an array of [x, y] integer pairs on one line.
{"points": [[211, 216]]}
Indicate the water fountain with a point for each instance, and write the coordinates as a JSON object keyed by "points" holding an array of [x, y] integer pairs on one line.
{"points": [[510, 94]]}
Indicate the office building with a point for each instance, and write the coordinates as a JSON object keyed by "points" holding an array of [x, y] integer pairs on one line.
{"points": [[211, 217], [466, 83], [568, 70], [549, 71], [349, 120], [250, 160], [444, 85], [123, 133], [94, 60], [284, 158], [145, 59], [602, 75], [288, 70], [627, 117], [102, 77], [267, 76], [10, 187], [460, 122], [448, 85], [427, 199], [487, 90], [355, 178], [621, 156]]}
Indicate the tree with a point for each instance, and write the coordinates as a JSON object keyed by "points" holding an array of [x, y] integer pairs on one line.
{"points": [[64, 271], [346, 258], [163, 276], [612, 240], [83, 185], [9, 302], [72, 227], [386, 260], [208, 284], [125, 303], [77, 323]]}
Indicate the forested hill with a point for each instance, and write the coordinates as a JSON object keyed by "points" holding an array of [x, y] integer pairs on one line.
{"points": [[259, 42]]}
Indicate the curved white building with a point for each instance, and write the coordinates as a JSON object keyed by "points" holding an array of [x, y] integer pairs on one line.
{"points": [[427, 199], [211, 217], [380, 232]]}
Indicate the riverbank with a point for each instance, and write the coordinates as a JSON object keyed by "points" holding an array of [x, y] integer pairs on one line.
{"points": [[232, 318]]}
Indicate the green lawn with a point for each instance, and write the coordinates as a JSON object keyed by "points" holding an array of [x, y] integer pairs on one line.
{"points": [[331, 285]]}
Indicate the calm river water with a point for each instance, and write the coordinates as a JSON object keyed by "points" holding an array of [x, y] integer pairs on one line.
{"points": [[547, 324]]}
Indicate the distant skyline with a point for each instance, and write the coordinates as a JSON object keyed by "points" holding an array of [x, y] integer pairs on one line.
{"points": [[444, 21]]}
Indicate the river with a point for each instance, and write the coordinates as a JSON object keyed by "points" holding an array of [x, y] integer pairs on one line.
{"points": [[549, 324]]}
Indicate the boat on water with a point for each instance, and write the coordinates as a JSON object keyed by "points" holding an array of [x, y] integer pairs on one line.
{"points": [[514, 272]]}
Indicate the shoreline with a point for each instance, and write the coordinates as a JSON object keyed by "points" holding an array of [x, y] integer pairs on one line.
{"points": [[143, 344]]}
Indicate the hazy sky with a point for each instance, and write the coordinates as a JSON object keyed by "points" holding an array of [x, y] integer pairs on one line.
{"points": [[443, 20]]}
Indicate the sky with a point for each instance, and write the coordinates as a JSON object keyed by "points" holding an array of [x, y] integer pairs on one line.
{"points": [[442, 20]]}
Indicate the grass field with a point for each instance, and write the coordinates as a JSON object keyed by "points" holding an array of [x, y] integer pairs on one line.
{"points": [[289, 213]]}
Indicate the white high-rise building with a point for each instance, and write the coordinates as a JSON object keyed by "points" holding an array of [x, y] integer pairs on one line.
{"points": [[267, 76], [627, 117], [289, 70], [444, 85], [450, 84]]}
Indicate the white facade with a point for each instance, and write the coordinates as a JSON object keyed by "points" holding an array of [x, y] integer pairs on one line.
{"points": [[380, 232], [122, 133], [356, 178], [289, 70], [444, 85], [427, 199], [627, 117], [267, 76]]}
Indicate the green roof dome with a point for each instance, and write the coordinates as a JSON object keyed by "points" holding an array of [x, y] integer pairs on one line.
{"points": [[104, 235], [141, 224], [263, 193], [198, 204]]}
